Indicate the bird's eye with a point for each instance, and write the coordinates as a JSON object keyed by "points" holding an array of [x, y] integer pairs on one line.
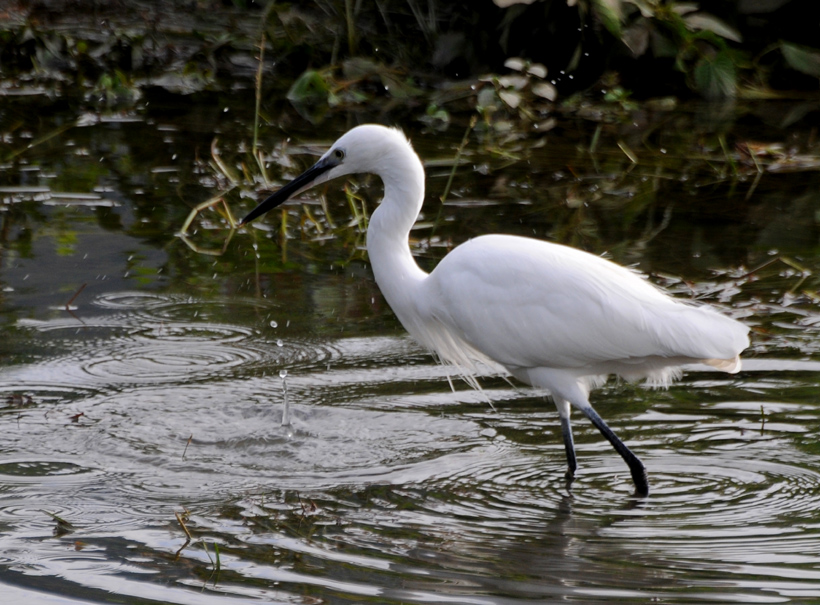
{"points": [[339, 154]]}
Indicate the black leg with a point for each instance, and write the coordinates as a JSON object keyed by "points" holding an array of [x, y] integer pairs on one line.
{"points": [[569, 445], [636, 467]]}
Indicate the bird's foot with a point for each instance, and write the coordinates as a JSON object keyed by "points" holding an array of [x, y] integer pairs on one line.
{"points": [[640, 479]]}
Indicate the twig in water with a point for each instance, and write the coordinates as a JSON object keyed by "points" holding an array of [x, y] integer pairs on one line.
{"points": [[459, 151], [181, 517], [63, 526], [757, 176], [628, 152], [191, 438], [593, 145], [258, 102], [73, 298]]}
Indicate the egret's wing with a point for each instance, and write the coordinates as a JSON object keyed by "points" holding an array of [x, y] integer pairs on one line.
{"points": [[528, 303]]}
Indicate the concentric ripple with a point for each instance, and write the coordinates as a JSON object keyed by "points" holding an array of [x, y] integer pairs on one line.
{"points": [[717, 494], [146, 339], [133, 362]]}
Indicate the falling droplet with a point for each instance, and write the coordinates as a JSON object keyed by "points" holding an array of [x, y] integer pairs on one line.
{"points": [[285, 403], [273, 324]]}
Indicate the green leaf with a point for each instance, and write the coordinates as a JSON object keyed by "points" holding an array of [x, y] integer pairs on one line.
{"points": [[716, 77], [537, 70], [684, 8], [545, 90], [609, 12], [803, 59], [662, 45], [507, 3], [636, 37], [515, 63], [705, 21], [309, 88], [357, 68], [511, 98], [397, 88]]}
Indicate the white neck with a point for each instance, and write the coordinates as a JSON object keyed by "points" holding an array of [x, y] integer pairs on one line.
{"points": [[394, 267]]}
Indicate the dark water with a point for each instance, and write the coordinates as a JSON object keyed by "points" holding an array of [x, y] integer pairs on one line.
{"points": [[144, 382]]}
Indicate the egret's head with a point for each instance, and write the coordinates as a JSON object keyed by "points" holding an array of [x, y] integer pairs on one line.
{"points": [[366, 148]]}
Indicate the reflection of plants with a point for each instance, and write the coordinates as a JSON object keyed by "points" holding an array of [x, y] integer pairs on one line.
{"points": [[240, 180], [357, 80], [115, 88], [66, 240], [110, 66], [214, 202]]}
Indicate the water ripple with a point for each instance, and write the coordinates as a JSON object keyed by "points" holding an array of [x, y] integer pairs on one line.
{"points": [[184, 358], [385, 484], [153, 339]]}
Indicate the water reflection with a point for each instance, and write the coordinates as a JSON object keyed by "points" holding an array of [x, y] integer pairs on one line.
{"points": [[161, 390]]}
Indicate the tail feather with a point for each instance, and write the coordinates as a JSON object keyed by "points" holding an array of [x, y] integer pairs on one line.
{"points": [[731, 366]]}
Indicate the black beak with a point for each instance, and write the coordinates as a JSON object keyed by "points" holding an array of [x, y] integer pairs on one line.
{"points": [[297, 185]]}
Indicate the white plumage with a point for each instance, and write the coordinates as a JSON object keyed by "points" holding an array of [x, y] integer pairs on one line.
{"points": [[552, 316]]}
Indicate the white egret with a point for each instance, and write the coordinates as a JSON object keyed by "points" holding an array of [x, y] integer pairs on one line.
{"points": [[552, 316]]}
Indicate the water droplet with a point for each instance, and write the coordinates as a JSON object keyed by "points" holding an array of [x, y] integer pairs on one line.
{"points": [[273, 324], [279, 343], [283, 374]]}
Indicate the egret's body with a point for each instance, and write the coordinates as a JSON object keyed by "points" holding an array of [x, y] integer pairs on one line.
{"points": [[552, 316]]}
